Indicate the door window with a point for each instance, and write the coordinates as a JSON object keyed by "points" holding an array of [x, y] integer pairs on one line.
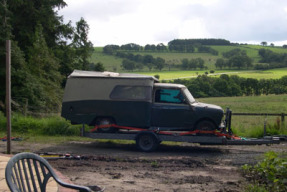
{"points": [[169, 96]]}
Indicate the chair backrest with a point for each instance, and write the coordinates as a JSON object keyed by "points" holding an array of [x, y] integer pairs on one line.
{"points": [[28, 172]]}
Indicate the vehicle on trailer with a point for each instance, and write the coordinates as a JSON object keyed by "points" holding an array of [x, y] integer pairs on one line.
{"points": [[133, 100], [138, 107]]}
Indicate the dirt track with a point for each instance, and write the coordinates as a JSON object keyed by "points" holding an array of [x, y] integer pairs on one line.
{"points": [[188, 167]]}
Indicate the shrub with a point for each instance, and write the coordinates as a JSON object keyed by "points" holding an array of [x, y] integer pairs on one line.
{"points": [[2, 122], [59, 126], [271, 173], [40, 126]]}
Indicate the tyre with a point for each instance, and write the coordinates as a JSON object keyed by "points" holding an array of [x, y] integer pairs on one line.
{"points": [[205, 125], [147, 142], [106, 121]]}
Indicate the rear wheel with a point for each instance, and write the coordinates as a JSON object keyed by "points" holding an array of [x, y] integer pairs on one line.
{"points": [[205, 125], [147, 142], [106, 121]]}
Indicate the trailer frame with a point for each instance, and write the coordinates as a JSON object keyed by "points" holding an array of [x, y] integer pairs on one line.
{"points": [[148, 140]]}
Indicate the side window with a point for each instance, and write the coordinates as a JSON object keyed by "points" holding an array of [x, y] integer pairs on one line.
{"points": [[131, 92], [169, 96]]}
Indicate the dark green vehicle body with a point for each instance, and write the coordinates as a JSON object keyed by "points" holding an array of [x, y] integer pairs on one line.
{"points": [[134, 101]]}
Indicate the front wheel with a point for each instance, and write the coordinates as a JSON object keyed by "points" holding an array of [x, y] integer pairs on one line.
{"points": [[205, 125]]}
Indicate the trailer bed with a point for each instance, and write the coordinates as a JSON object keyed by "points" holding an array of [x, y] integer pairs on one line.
{"points": [[201, 139]]}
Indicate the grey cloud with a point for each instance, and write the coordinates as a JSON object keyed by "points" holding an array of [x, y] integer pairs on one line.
{"points": [[242, 20], [101, 10]]}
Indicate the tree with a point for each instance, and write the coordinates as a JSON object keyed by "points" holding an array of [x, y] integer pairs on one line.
{"points": [[128, 65], [200, 63], [161, 47], [159, 63], [99, 67], [84, 47], [44, 66], [27, 15], [193, 64], [110, 49], [41, 50], [219, 63], [264, 43], [184, 64]]}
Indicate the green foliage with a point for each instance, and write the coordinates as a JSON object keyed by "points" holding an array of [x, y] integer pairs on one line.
{"points": [[51, 126], [128, 65], [157, 76], [58, 126], [204, 86], [44, 50], [84, 47], [44, 67], [270, 173]]}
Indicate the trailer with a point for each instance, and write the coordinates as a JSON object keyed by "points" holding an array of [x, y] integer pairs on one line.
{"points": [[148, 140]]}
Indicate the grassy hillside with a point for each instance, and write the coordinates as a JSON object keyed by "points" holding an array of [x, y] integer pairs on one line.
{"points": [[113, 63]]}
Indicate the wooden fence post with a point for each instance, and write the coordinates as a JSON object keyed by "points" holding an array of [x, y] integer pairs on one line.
{"points": [[8, 94]]}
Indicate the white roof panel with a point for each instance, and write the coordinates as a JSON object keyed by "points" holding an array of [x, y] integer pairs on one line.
{"points": [[78, 73]]}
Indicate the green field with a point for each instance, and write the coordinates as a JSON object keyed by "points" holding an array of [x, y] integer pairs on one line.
{"points": [[252, 126], [267, 74], [113, 63]]}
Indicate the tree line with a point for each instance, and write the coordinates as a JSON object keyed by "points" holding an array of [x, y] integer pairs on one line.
{"points": [[228, 86], [131, 61], [44, 50], [235, 58], [189, 45], [179, 45], [270, 59]]}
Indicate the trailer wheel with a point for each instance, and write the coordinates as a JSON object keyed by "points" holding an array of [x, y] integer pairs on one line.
{"points": [[106, 121], [147, 141], [205, 125]]}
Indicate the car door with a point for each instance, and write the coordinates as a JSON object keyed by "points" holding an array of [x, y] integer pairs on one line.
{"points": [[170, 109]]}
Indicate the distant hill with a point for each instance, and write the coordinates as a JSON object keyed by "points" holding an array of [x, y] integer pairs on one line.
{"points": [[113, 63]]}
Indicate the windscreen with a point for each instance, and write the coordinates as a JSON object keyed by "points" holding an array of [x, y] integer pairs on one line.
{"points": [[188, 95]]}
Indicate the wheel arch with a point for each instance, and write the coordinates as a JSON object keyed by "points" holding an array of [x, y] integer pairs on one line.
{"points": [[98, 118], [205, 119]]}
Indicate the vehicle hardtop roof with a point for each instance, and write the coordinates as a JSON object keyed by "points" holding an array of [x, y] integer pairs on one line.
{"points": [[106, 74], [169, 85]]}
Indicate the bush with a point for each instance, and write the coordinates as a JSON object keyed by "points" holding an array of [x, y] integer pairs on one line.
{"points": [[157, 76], [59, 126], [40, 126], [271, 173], [2, 122]]}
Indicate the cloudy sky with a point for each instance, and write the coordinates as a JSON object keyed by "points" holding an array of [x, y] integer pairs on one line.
{"points": [[160, 21]]}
